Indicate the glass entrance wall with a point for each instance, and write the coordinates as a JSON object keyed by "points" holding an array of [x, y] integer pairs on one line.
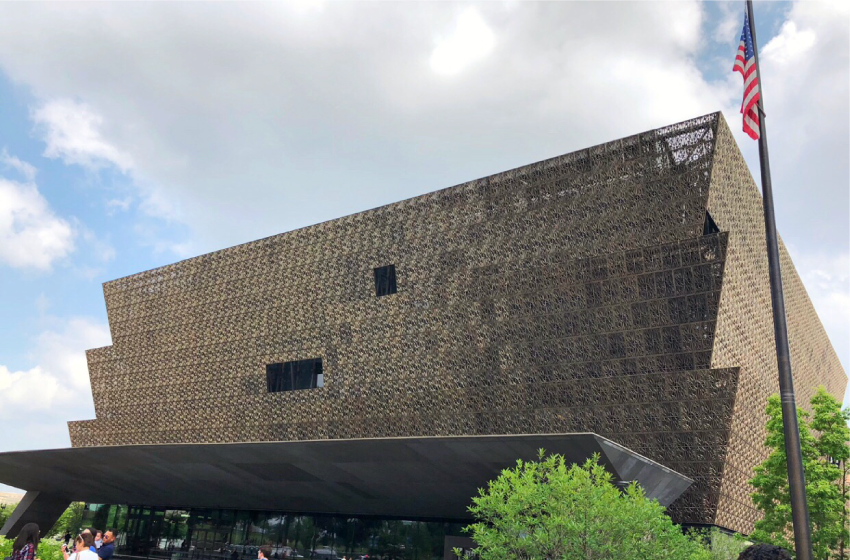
{"points": [[213, 534], [102, 516]]}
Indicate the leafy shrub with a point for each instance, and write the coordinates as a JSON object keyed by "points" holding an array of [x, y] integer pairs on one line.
{"points": [[48, 549], [548, 509]]}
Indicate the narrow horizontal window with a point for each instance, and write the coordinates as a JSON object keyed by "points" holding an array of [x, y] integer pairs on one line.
{"points": [[385, 280], [294, 376]]}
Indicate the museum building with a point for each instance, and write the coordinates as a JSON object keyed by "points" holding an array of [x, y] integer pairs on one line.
{"points": [[344, 389]]}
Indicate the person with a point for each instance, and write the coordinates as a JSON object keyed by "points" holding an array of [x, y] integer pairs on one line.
{"points": [[93, 532], [82, 548], [107, 549], [67, 537], [88, 531], [264, 553], [234, 555], [26, 544], [765, 552], [98, 539]]}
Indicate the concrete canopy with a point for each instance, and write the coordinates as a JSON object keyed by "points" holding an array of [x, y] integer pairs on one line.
{"points": [[416, 477]]}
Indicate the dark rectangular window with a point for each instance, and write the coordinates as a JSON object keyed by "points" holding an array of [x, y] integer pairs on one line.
{"points": [[294, 376], [385, 280]]}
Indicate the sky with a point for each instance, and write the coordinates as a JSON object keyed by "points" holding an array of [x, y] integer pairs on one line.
{"points": [[133, 135]]}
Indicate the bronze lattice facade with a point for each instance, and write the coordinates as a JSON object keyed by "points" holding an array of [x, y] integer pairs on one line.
{"points": [[588, 292]]}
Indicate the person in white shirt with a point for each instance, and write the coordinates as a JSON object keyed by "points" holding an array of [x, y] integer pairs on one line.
{"points": [[81, 549]]}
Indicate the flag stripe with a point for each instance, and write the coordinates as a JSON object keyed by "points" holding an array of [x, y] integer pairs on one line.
{"points": [[745, 64]]}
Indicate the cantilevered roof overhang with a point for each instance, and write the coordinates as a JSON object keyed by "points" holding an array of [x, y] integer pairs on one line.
{"points": [[413, 477]]}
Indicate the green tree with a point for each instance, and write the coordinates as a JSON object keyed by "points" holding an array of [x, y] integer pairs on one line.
{"points": [[547, 509], [5, 511], [827, 510], [771, 478], [833, 446], [725, 546], [69, 521], [47, 549], [5, 547]]}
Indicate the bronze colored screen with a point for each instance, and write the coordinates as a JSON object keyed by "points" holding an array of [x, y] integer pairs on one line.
{"points": [[589, 292]]}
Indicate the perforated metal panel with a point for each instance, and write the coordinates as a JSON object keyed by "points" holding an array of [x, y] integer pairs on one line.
{"points": [[574, 294], [745, 329]]}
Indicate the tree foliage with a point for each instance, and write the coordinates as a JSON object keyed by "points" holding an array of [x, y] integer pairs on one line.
{"points": [[5, 511], [47, 549], [725, 546], [823, 451], [833, 447], [546, 509], [69, 521]]}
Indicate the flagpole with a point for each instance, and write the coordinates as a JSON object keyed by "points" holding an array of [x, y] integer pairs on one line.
{"points": [[793, 453]]}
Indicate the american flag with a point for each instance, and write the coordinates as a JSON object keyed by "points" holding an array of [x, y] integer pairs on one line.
{"points": [[745, 63]]}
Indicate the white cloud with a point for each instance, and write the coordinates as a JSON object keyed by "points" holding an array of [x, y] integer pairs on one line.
{"points": [[76, 133], [158, 202], [805, 75], [246, 122], [115, 204], [25, 169], [62, 351], [827, 280], [791, 44], [685, 21], [96, 251], [182, 250], [470, 40], [31, 235], [43, 398], [731, 21], [25, 392], [241, 123], [73, 133], [148, 235], [806, 79], [106, 252], [303, 7], [102, 250]]}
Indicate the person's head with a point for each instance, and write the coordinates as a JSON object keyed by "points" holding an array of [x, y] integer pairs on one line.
{"points": [[29, 534], [265, 551], [85, 531], [83, 541], [109, 536], [765, 552], [98, 535]]}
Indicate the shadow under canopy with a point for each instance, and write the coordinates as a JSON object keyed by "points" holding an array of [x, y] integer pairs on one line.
{"points": [[411, 478]]}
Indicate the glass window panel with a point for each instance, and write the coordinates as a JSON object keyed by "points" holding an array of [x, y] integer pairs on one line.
{"points": [[297, 375], [385, 280], [257, 530], [173, 534]]}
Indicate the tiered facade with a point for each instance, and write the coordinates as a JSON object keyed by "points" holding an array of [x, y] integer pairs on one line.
{"points": [[621, 289]]}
